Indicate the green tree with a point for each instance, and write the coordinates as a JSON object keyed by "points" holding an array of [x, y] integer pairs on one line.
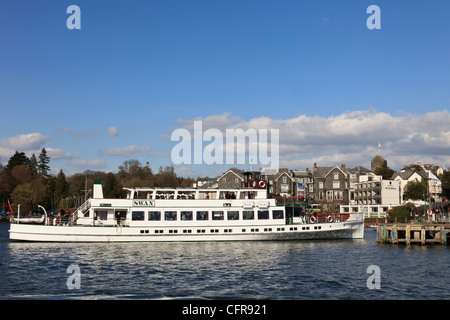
{"points": [[111, 187], [33, 164], [17, 159], [61, 187], [415, 190], [385, 172], [400, 213], [42, 166], [445, 179], [29, 195]]}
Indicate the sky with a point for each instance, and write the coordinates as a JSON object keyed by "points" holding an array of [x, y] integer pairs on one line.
{"points": [[118, 87]]}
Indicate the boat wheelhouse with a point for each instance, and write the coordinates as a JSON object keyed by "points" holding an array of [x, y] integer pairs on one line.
{"points": [[185, 214]]}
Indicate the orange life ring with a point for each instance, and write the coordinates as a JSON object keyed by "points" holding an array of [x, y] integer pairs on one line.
{"points": [[262, 184], [312, 219], [330, 219]]}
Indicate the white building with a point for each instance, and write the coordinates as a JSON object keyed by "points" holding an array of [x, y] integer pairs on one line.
{"points": [[376, 191]]}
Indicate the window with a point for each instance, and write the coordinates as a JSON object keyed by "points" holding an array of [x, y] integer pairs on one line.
{"points": [[284, 188], [248, 215], [338, 195], [284, 180], [277, 214], [202, 215], [154, 215], [263, 214], [336, 176], [233, 215], [217, 215], [137, 215], [224, 180], [321, 185], [329, 195], [236, 180], [170, 215], [336, 184], [186, 215]]}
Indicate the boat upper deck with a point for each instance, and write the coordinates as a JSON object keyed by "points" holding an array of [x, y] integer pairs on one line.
{"points": [[195, 194]]}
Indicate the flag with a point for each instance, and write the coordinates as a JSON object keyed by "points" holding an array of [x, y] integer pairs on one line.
{"points": [[9, 204], [379, 145], [301, 187]]}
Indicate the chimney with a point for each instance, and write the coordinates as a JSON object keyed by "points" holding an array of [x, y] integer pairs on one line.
{"points": [[315, 168], [343, 167], [98, 190]]}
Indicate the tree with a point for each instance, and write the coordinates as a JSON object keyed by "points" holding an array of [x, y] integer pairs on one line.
{"points": [[29, 195], [111, 187], [415, 190], [42, 166], [61, 187], [18, 158], [384, 171], [400, 213], [445, 179], [33, 164]]}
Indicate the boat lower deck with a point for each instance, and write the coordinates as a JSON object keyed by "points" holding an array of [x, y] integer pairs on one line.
{"points": [[119, 233]]}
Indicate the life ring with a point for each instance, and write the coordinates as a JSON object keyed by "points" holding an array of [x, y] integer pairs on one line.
{"points": [[262, 184], [330, 219], [312, 219]]}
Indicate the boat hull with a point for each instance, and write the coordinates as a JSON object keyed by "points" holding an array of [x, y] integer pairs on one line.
{"points": [[48, 233]]}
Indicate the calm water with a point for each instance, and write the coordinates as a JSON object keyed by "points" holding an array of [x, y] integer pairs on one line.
{"points": [[224, 270]]}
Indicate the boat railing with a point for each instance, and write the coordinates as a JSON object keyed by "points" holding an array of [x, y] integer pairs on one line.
{"points": [[84, 207], [283, 201]]}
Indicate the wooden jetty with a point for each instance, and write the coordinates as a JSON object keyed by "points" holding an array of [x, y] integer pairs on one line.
{"points": [[410, 233]]}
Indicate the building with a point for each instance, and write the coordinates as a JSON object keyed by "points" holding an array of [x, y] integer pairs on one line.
{"points": [[378, 162], [330, 187], [411, 175], [354, 176], [281, 183], [231, 179], [376, 191]]}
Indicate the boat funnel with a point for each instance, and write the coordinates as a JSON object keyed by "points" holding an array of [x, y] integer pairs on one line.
{"points": [[98, 190]]}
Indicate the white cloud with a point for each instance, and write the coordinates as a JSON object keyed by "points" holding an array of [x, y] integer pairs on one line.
{"points": [[87, 164], [25, 142], [351, 137], [132, 150], [57, 154], [112, 131]]}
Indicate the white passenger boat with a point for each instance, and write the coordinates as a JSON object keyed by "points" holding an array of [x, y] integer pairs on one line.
{"points": [[162, 214]]}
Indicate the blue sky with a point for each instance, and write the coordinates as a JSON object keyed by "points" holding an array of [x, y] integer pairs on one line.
{"points": [[136, 70]]}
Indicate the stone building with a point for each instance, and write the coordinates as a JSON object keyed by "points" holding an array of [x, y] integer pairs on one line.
{"points": [[378, 162], [230, 179], [330, 187]]}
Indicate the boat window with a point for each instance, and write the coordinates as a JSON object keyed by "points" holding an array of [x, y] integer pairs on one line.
{"points": [[217, 215], [263, 214], [277, 214], [137, 215], [202, 215], [233, 215], [154, 215], [101, 215], [248, 215], [170, 215], [186, 215]]}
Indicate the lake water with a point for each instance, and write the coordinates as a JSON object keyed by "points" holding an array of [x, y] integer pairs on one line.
{"points": [[223, 270]]}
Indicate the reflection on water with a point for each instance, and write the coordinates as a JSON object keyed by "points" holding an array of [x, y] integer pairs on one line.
{"points": [[223, 270]]}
